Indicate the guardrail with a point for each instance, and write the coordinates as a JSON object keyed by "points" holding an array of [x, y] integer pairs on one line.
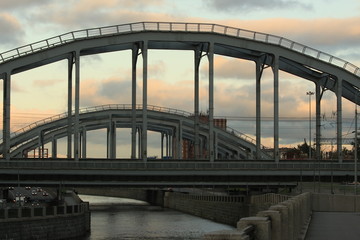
{"points": [[178, 165], [176, 27]]}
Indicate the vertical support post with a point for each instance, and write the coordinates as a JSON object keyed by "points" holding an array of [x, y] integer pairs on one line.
{"points": [[84, 142], [77, 106], [339, 119], [41, 145], [211, 102], [258, 109], [318, 121], [180, 141], [54, 147], [275, 68], [108, 141], [355, 148], [215, 145], [144, 110], [113, 140], [139, 142], [167, 144], [197, 58], [135, 53], [162, 145], [70, 122], [6, 115]]}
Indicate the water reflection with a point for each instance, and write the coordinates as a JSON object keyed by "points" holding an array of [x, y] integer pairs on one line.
{"points": [[119, 218]]}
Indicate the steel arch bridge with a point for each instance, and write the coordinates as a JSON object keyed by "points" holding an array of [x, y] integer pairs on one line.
{"points": [[325, 71], [176, 126]]}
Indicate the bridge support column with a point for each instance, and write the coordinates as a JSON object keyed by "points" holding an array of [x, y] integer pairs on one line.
{"points": [[77, 106], [144, 110], [135, 53], [339, 119], [167, 144], [275, 68], [197, 58], [70, 121], [139, 142], [211, 102], [111, 140], [41, 150], [179, 140], [318, 96], [54, 147], [162, 145], [6, 115], [259, 70], [83, 142]]}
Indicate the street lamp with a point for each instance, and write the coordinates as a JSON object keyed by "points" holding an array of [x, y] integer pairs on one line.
{"points": [[309, 93]]}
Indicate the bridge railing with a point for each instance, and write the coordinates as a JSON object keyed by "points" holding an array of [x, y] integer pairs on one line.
{"points": [[176, 165], [176, 27], [95, 109]]}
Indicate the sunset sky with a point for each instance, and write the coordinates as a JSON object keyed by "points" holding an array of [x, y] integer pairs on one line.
{"points": [[331, 26]]}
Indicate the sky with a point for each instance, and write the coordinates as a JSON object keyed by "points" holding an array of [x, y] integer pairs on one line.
{"points": [[328, 25]]}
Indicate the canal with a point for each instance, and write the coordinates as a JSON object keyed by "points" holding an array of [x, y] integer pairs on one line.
{"points": [[120, 218]]}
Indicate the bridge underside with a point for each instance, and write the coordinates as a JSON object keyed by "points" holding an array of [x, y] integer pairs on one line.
{"points": [[160, 173]]}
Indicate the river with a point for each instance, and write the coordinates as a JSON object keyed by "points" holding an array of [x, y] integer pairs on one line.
{"points": [[121, 218]]}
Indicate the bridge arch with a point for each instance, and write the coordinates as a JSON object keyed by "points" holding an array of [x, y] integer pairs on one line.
{"points": [[326, 71], [176, 125]]}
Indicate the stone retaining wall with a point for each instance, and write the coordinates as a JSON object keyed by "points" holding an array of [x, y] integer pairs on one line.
{"points": [[57, 222], [222, 209]]}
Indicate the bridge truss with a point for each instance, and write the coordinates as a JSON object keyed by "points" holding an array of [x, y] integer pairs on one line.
{"points": [[205, 40]]}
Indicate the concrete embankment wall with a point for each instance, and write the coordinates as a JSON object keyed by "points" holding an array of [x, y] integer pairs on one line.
{"points": [[285, 220], [222, 209], [59, 222]]}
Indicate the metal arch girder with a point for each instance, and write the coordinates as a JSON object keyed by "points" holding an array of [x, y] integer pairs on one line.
{"points": [[246, 49], [100, 119]]}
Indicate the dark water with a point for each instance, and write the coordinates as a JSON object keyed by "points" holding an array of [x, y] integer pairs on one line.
{"points": [[118, 218]]}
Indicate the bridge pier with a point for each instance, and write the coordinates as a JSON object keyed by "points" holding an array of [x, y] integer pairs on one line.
{"points": [[6, 114], [275, 69], [339, 118], [144, 52], [135, 54], [77, 106], [69, 111], [211, 102]]}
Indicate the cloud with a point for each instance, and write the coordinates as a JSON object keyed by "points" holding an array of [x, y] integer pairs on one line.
{"points": [[46, 83], [96, 13], [230, 68], [10, 5], [11, 30], [327, 34], [254, 5]]}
